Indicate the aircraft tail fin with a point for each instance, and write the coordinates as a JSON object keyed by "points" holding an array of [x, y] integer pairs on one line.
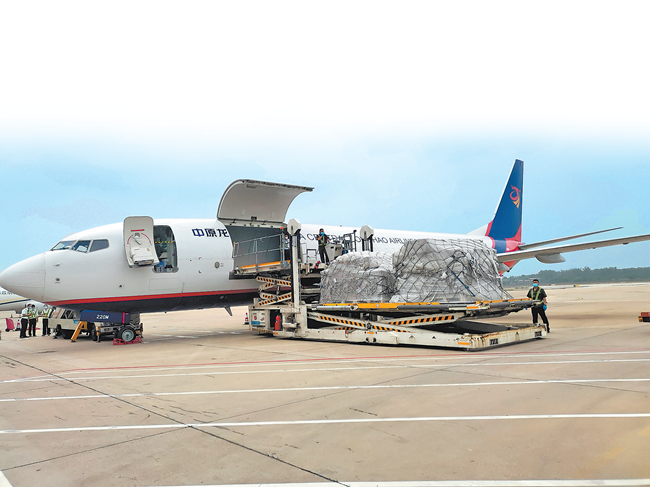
{"points": [[506, 224]]}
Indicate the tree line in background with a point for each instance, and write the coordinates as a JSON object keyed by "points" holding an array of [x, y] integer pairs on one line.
{"points": [[582, 276]]}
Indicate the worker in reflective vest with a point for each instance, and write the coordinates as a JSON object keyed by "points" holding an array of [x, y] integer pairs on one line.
{"points": [[538, 294], [33, 317], [45, 318]]}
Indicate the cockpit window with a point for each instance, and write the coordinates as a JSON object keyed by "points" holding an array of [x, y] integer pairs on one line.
{"points": [[99, 245], [81, 246], [63, 245]]}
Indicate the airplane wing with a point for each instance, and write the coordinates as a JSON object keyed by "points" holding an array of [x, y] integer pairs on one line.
{"points": [[552, 255], [563, 239]]}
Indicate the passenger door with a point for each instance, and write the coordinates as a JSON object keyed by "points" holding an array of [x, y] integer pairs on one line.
{"points": [[138, 241]]}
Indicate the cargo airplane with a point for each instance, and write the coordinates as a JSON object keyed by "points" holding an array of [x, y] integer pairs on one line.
{"points": [[143, 265]]}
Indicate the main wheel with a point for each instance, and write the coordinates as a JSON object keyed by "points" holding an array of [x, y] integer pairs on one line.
{"points": [[127, 333]]}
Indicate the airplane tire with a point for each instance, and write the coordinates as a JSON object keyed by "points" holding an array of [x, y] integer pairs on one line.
{"points": [[127, 333]]}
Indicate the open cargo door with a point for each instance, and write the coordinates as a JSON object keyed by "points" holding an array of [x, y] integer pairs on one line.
{"points": [[138, 241], [253, 212]]}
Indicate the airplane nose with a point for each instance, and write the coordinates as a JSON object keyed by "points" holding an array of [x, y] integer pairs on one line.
{"points": [[26, 278]]}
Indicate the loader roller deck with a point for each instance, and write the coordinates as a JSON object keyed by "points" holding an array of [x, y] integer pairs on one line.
{"points": [[450, 325], [284, 310]]}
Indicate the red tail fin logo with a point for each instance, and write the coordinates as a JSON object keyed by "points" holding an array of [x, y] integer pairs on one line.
{"points": [[514, 196]]}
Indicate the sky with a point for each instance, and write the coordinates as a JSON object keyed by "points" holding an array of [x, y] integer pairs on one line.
{"points": [[401, 115]]}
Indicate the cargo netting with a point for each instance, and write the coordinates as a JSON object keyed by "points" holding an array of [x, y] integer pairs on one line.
{"points": [[424, 270], [359, 277]]}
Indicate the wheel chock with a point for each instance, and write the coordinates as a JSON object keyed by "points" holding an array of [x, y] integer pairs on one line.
{"points": [[119, 341]]}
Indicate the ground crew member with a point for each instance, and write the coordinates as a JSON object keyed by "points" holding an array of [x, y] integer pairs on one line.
{"points": [[538, 294], [33, 318], [24, 321], [323, 239], [45, 318]]}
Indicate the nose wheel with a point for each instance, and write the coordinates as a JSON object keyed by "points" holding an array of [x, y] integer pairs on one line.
{"points": [[125, 335]]}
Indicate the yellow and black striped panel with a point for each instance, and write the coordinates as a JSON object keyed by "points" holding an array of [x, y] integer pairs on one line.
{"points": [[385, 328], [275, 299], [271, 280], [414, 321], [374, 327], [273, 296], [336, 319]]}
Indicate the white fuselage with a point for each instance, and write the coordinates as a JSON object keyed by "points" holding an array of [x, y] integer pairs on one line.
{"points": [[12, 302], [200, 278]]}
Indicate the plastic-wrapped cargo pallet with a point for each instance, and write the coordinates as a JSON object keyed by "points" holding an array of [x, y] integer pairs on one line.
{"points": [[442, 270], [359, 277], [425, 270]]}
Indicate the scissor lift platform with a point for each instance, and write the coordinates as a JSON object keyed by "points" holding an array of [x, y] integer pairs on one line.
{"points": [[452, 325]]}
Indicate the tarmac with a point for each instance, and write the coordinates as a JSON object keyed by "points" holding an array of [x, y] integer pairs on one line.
{"points": [[205, 401]]}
